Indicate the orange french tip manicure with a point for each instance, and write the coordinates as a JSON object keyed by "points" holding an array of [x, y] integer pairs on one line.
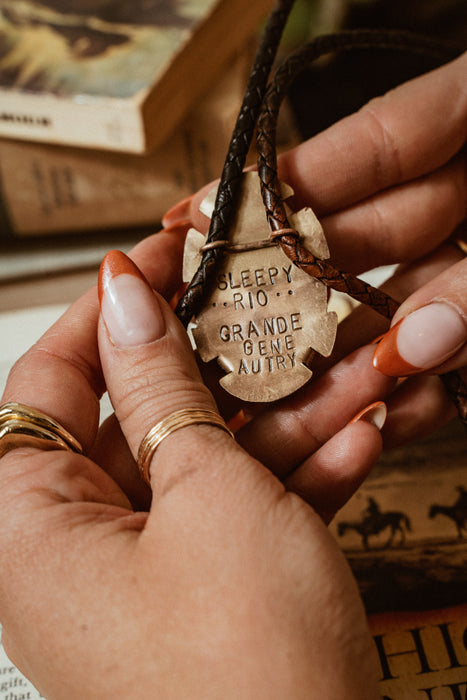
{"points": [[178, 213], [375, 413], [386, 358], [116, 263]]}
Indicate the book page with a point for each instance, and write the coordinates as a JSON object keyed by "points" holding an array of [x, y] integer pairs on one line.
{"points": [[13, 685], [19, 331]]}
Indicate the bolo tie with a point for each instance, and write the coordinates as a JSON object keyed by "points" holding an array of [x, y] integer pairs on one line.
{"points": [[256, 298]]}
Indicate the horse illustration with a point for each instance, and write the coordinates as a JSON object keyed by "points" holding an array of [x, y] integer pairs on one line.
{"points": [[457, 512], [375, 521]]}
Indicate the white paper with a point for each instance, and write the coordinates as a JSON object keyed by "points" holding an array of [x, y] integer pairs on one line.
{"points": [[13, 685], [19, 330]]}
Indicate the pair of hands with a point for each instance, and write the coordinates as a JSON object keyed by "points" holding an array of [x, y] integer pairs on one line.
{"points": [[228, 584]]}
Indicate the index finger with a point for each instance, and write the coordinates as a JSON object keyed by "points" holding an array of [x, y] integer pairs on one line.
{"points": [[412, 130]]}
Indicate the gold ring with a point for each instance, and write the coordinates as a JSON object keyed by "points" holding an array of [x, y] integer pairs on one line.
{"points": [[168, 425], [22, 425]]}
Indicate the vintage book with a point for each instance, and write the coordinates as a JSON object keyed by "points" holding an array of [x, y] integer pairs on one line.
{"points": [[47, 189], [404, 534], [113, 74]]}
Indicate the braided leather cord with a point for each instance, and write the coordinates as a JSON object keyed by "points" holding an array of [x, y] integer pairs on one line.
{"points": [[267, 167], [267, 160], [224, 208]]}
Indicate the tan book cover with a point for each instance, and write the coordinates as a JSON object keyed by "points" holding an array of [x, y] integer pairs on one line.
{"points": [[404, 534], [423, 654], [113, 74]]}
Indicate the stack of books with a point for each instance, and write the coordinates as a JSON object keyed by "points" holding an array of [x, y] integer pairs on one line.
{"points": [[110, 112]]}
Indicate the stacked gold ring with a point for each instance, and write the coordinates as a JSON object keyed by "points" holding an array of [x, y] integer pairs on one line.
{"points": [[21, 425], [168, 425]]}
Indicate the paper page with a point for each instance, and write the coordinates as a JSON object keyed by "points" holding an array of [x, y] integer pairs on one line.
{"points": [[13, 685], [19, 330]]}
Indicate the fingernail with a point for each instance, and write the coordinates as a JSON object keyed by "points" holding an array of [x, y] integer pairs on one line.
{"points": [[378, 339], [129, 307], [375, 414], [180, 227], [423, 339], [178, 213]]}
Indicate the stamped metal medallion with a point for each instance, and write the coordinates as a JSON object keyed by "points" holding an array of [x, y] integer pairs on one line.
{"points": [[264, 315]]}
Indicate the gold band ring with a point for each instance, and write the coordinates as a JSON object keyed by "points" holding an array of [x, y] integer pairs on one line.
{"points": [[168, 425], [22, 425]]}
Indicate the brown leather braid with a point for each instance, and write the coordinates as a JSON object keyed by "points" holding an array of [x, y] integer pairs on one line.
{"points": [[224, 208], [270, 186], [338, 280], [267, 159]]}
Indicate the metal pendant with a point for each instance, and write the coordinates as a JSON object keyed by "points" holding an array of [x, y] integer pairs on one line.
{"points": [[264, 315]]}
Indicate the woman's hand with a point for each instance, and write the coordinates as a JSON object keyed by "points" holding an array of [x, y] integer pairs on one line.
{"points": [[229, 585], [389, 185]]}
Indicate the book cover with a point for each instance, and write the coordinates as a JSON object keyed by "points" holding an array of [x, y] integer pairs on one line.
{"points": [[404, 534], [109, 73]]}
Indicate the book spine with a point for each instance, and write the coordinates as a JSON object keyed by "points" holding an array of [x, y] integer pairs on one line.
{"points": [[51, 190]]}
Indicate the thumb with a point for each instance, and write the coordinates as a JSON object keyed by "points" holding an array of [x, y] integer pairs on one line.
{"points": [[150, 370], [429, 330]]}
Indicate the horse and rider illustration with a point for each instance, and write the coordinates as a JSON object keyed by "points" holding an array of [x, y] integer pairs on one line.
{"points": [[456, 512], [374, 521]]}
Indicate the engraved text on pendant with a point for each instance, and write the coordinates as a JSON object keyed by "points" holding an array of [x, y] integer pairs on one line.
{"points": [[263, 315]]}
